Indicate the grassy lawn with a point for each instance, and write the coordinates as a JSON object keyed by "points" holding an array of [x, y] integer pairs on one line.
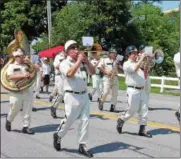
{"points": [[155, 90]]}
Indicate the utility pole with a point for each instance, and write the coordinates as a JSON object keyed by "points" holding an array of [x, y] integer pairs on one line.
{"points": [[49, 16]]}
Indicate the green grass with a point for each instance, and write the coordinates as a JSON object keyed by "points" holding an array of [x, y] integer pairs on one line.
{"points": [[154, 90]]}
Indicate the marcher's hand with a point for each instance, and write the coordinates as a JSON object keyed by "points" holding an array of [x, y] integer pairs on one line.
{"points": [[109, 73], [81, 57], [27, 75], [142, 56]]}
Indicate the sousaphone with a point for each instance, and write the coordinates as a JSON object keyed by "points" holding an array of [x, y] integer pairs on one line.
{"points": [[20, 41]]}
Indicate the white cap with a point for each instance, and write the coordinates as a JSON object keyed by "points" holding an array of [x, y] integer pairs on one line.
{"points": [[69, 43], [18, 52], [45, 58]]}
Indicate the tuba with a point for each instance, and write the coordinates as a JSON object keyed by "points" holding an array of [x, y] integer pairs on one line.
{"points": [[149, 61], [20, 41]]}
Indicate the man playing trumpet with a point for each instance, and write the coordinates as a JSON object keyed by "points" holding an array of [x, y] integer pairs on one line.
{"points": [[137, 97], [77, 103]]}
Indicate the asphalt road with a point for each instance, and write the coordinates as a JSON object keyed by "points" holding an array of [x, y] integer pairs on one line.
{"points": [[104, 141]]}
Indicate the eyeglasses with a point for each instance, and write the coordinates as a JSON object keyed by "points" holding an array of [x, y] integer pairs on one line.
{"points": [[73, 47], [19, 56]]}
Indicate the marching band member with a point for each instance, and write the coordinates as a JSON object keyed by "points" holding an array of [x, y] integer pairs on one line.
{"points": [[46, 74], [110, 68], [137, 98], [77, 103], [38, 79], [97, 82], [176, 60], [58, 59], [23, 99], [58, 83], [147, 86]]}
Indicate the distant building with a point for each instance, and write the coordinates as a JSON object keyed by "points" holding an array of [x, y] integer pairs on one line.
{"points": [[171, 10]]}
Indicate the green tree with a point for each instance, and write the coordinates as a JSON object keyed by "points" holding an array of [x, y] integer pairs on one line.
{"points": [[160, 31], [29, 15]]}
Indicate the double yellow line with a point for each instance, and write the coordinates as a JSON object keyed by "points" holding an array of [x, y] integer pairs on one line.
{"points": [[112, 116]]}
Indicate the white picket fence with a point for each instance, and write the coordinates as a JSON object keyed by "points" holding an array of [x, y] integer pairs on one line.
{"points": [[163, 83]]}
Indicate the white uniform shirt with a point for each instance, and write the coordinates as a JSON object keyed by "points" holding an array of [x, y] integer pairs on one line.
{"points": [[77, 83], [16, 69], [176, 60], [94, 63], [133, 78], [58, 59], [46, 69], [107, 64]]}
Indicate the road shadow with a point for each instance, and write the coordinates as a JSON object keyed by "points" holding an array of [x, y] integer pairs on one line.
{"points": [[41, 109], [163, 131], [4, 93], [130, 133], [98, 116], [115, 111], [4, 115], [116, 146], [152, 109], [5, 101], [45, 128]]}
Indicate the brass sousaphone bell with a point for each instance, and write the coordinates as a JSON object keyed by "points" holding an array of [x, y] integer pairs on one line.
{"points": [[20, 41]]}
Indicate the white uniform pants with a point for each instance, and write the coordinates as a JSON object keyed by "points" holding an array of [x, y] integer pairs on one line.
{"points": [[138, 102], [112, 86], [38, 84], [147, 87], [21, 100], [55, 88], [97, 83], [59, 87], [77, 106]]}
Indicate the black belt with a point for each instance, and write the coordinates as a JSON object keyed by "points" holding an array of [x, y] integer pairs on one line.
{"points": [[136, 87], [75, 92]]}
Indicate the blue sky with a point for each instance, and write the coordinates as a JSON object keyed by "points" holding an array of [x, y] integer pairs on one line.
{"points": [[166, 5]]}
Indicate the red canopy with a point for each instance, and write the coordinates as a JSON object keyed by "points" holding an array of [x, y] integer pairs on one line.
{"points": [[51, 53]]}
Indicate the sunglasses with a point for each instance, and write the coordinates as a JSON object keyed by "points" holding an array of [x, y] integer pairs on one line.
{"points": [[19, 56], [73, 47]]}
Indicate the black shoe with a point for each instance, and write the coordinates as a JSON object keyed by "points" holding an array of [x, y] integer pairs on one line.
{"points": [[21, 109], [142, 132], [41, 90], [98, 99], [82, 150], [149, 108], [8, 125], [50, 98], [100, 105], [90, 96], [34, 109], [53, 112], [112, 108], [177, 114], [37, 97], [26, 130], [56, 144], [120, 124]]}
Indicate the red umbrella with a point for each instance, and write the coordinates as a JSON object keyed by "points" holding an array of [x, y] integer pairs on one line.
{"points": [[51, 53]]}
